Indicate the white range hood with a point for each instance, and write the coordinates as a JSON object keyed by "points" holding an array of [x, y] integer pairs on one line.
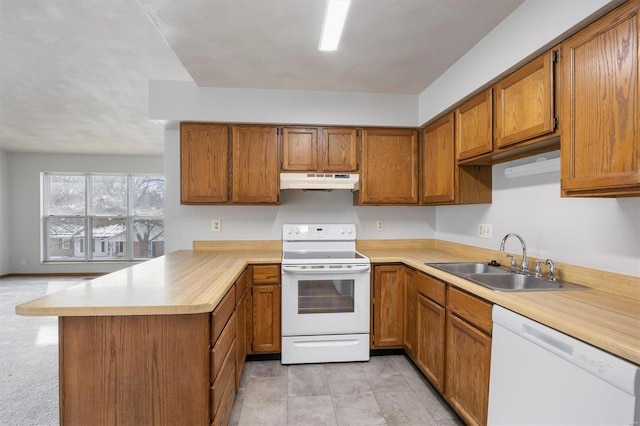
{"points": [[324, 181]]}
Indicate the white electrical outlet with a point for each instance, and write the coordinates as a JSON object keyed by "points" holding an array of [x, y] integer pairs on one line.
{"points": [[485, 230], [23, 262], [216, 225], [380, 225]]}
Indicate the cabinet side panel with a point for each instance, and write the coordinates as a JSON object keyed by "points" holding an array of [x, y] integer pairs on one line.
{"points": [[135, 370]]}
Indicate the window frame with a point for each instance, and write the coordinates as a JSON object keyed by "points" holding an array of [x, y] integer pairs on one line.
{"points": [[86, 243]]}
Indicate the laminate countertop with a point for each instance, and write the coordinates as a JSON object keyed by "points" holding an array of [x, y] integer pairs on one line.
{"points": [[186, 282]]}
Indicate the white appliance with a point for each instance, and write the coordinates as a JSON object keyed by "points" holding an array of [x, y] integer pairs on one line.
{"points": [[325, 295], [324, 181], [540, 376]]}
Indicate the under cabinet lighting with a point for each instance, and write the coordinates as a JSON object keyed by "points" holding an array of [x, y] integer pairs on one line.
{"points": [[335, 14], [539, 167]]}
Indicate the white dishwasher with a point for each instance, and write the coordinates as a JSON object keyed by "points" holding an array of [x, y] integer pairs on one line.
{"points": [[540, 376]]}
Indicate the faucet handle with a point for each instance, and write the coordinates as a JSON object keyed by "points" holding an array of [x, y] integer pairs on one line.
{"points": [[538, 274], [513, 261], [552, 269]]}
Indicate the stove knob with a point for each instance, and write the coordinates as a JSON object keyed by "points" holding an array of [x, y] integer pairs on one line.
{"points": [[349, 231], [342, 231], [289, 231], [296, 231]]}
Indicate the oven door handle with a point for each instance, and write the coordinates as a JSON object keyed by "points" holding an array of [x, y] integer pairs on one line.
{"points": [[301, 271]]}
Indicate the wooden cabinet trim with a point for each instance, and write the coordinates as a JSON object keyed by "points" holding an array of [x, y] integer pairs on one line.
{"points": [[226, 370], [300, 149], [222, 313], [471, 308], [430, 358], [221, 347], [266, 274], [432, 288]]}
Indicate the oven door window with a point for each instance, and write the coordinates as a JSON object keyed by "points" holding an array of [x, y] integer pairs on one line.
{"points": [[325, 296]]}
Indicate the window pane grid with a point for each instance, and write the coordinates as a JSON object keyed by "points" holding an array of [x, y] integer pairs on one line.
{"points": [[102, 217]]}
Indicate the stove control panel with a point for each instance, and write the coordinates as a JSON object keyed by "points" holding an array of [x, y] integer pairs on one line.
{"points": [[319, 232]]}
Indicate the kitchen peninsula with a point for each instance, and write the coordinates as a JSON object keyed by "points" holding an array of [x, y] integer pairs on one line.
{"points": [[155, 343]]}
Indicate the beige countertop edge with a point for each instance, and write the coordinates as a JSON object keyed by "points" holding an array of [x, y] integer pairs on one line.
{"points": [[106, 311]]}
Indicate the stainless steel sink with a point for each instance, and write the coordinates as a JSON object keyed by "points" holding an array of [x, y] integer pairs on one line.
{"points": [[500, 279], [464, 268], [519, 282]]}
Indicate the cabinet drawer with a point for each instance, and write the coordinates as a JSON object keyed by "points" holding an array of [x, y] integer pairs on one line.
{"points": [[242, 283], [227, 372], [221, 417], [222, 313], [222, 345], [266, 274], [432, 288], [470, 308]]}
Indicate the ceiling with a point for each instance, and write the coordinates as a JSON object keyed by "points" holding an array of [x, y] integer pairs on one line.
{"points": [[74, 73]]}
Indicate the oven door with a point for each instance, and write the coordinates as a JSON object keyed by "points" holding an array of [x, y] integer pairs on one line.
{"points": [[325, 299]]}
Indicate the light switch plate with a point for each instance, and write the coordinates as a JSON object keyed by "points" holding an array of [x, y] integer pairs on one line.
{"points": [[485, 230]]}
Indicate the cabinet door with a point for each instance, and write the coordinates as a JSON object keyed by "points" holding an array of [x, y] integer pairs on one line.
{"points": [[340, 149], [431, 340], [467, 370], [474, 126], [266, 318], [388, 309], [524, 103], [256, 171], [600, 144], [438, 161], [204, 163], [389, 172], [299, 149], [410, 302]]}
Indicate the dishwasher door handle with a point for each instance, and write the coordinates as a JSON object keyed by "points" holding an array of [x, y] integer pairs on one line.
{"points": [[546, 340]]}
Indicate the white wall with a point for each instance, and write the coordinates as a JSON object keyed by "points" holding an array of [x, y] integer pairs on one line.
{"points": [[25, 195], [175, 101], [600, 233], [4, 214], [187, 223]]}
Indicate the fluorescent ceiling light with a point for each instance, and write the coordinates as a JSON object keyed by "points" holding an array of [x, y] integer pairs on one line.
{"points": [[539, 167], [335, 14]]}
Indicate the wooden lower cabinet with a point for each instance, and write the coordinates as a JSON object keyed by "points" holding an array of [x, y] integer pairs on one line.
{"points": [[154, 369], [431, 340], [388, 306], [468, 356], [266, 332], [139, 369]]}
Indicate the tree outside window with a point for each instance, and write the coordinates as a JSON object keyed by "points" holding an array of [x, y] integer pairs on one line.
{"points": [[117, 217]]}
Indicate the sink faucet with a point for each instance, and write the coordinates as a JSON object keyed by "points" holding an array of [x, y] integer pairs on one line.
{"points": [[525, 263]]}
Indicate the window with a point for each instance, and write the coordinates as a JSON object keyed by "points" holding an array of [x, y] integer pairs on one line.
{"points": [[117, 217]]}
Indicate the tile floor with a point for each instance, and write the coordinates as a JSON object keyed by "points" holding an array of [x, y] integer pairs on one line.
{"points": [[387, 390]]}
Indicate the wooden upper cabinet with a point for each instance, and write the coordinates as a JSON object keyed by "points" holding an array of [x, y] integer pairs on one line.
{"points": [[317, 149], [443, 180], [600, 144], [256, 171], [474, 126], [524, 107], [299, 149], [204, 163], [389, 169], [340, 149], [438, 161]]}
